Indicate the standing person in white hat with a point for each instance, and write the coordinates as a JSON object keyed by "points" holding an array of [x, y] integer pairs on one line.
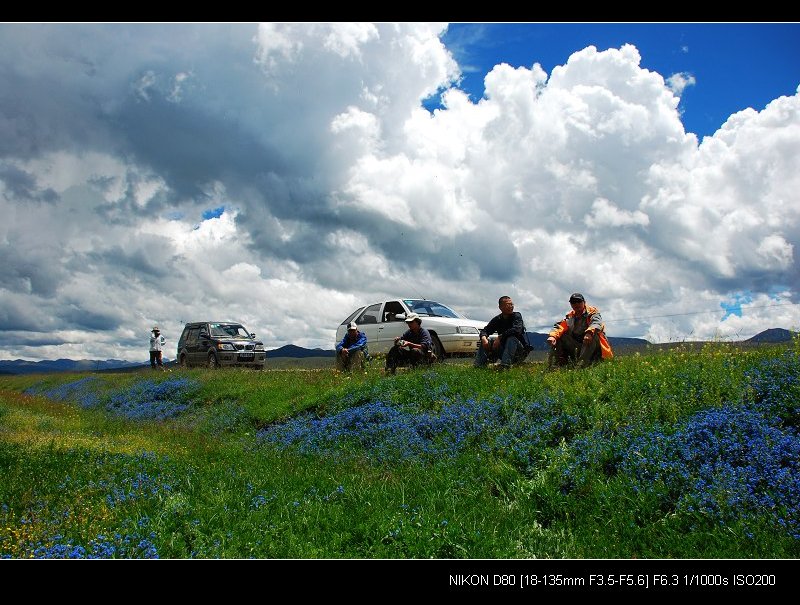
{"points": [[157, 343]]}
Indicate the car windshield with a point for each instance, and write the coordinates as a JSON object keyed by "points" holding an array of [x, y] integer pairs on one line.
{"points": [[431, 308], [229, 331]]}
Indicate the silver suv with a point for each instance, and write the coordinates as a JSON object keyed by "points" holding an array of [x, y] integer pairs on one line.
{"points": [[215, 344]]}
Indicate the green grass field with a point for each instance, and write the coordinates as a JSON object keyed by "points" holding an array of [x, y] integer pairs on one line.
{"points": [[668, 454]]}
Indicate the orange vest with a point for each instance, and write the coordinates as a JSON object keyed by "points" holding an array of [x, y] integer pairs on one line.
{"points": [[567, 323]]}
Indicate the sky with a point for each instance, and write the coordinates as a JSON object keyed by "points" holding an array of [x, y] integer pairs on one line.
{"points": [[284, 174]]}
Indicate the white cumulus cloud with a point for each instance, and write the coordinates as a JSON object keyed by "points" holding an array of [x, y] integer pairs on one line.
{"points": [[340, 189], [679, 81]]}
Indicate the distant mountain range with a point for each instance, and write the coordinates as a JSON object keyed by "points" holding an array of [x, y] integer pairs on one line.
{"points": [[537, 339], [299, 352], [20, 366], [773, 335]]}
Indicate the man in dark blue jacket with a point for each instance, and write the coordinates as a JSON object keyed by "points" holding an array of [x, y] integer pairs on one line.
{"points": [[511, 343], [415, 346], [352, 350]]}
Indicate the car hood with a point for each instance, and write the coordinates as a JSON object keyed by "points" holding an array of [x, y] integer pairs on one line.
{"points": [[451, 321], [234, 339]]}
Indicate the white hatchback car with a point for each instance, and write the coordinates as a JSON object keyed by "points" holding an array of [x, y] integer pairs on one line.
{"points": [[452, 334]]}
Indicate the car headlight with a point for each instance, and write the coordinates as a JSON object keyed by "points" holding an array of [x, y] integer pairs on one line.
{"points": [[226, 346], [259, 347], [466, 330]]}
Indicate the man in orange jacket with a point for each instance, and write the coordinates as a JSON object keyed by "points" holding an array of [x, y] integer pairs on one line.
{"points": [[579, 337]]}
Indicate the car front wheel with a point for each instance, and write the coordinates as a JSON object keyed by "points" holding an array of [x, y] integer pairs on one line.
{"points": [[213, 364]]}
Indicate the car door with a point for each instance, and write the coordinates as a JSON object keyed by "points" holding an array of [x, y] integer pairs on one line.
{"points": [[201, 345], [193, 347], [390, 326], [368, 324], [183, 345]]}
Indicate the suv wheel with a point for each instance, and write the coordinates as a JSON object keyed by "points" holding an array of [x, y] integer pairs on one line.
{"points": [[182, 362], [213, 364]]}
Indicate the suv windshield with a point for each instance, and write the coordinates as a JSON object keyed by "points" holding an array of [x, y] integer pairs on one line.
{"points": [[431, 308], [229, 331]]}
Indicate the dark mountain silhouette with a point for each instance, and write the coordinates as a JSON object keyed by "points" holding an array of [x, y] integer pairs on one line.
{"points": [[539, 341], [20, 366], [773, 335], [299, 352]]}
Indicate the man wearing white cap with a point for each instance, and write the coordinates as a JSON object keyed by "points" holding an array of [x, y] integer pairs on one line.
{"points": [[352, 350], [157, 343], [414, 346]]}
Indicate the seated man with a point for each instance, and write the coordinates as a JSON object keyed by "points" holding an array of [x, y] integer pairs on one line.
{"points": [[413, 347], [580, 337], [511, 343], [352, 350]]}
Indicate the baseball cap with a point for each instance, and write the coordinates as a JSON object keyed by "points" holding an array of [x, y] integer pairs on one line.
{"points": [[577, 297], [352, 326], [413, 316]]}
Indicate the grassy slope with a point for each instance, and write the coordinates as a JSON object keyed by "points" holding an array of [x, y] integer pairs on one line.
{"points": [[543, 471]]}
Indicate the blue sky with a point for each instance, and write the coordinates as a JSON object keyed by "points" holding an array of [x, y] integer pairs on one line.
{"points": [[283, 174], [736, 65]]}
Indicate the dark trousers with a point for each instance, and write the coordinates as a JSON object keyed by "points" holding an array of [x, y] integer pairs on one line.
{"points": [[511, 351], [412, 357], [155, 358], [568, 349]]}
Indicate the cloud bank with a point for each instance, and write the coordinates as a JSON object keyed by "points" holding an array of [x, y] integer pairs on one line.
{"points": [[282, 175]]}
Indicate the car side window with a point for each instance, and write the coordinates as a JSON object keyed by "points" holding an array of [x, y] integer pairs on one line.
{"points": [[370, 315], [352, 316], [191, 337], [391, 309]]}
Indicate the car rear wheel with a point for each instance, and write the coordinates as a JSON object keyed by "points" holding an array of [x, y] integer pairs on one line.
{"points": [[182, 362], [438, 349], [213, 363]]}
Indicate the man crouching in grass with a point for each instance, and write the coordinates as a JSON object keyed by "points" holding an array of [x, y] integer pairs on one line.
{"points": [[352, 350]]}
